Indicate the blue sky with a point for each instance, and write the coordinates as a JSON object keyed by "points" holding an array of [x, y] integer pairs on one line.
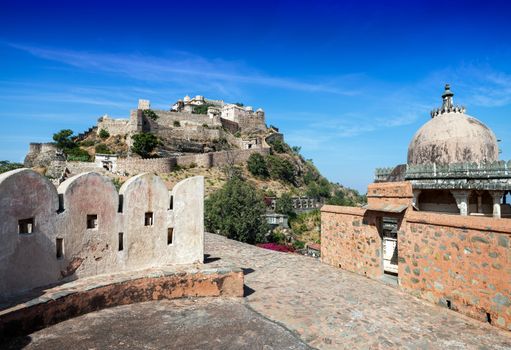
{"points": [[350, 82]]}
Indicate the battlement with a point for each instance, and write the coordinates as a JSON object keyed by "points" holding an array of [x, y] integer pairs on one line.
{"points": [[85, 227]]}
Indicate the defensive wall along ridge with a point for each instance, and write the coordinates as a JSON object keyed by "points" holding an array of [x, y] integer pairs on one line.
{"points": [[460, 262]]}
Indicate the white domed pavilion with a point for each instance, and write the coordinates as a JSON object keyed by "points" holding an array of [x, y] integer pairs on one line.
{"points": [[453, 165]]}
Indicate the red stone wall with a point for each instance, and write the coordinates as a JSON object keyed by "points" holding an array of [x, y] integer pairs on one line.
{"points": [[350, 240], [390, 192], [461, 261]]}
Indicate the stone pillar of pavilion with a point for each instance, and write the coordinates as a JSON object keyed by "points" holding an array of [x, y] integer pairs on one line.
{"points": [[415, 200], [496, 196], [461, 197], [479, 202]]}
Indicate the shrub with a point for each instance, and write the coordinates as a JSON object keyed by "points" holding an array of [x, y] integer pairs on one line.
{"points": [[144, 143], [203, 109], [298, 244], [278, 146], [104, 134], [284, 205], [6, 165], [77, 154], [236, 211], [257, 165], [276, 247], [280, 169], [205, 126], [177, 124], [102, 149], [319, 189], [87, 143], [117, 183], [149, 113]]}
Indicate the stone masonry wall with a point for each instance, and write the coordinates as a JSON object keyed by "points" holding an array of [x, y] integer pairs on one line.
{"points": [[461, 262], [113, 126], [85, 227], [167, 165], [350, 240], [152, 165]]}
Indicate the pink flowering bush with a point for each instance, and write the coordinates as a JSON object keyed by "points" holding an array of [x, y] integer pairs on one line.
{"points": [[276, 247]]}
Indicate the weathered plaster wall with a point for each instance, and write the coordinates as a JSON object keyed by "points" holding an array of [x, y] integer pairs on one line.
{"points": [[117, 238], [457, 261], [27, 260]]}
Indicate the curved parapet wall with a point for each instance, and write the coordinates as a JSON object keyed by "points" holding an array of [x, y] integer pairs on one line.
{"points": [[86, 228], [28, 223]]}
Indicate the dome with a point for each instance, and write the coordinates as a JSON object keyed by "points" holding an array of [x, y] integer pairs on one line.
{"points": [[452, 136]]}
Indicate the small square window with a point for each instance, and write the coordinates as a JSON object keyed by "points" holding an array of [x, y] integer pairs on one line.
{"points": [[92, 221], [149, 219], [26, 226], [170, 235]]}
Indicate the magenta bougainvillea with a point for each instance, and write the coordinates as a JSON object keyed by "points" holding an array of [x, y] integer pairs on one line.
{"points": [[276, 247]]}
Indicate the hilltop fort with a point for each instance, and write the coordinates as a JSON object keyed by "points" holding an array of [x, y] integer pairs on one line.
{"points": [[192, 132]]}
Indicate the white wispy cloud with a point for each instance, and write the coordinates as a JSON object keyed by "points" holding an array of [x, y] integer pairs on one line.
{"points": [[180, 68]]}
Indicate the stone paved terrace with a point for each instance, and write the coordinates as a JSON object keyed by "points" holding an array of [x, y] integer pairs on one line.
{"points": [[291, 301], [330, 308]]}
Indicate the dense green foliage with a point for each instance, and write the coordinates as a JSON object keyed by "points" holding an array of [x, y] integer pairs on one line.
{"points": [[63, 139], [320, 188], [102, 149], [77, 154], [256, 164], [104, 134], [236, 211], [284, 205], [202, 109], [280, 169], [144, 143], [279, 146], [149, 113], [6, 165]]}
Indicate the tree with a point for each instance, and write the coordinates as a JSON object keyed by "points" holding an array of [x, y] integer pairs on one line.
{"points": [[202, 109], [257, 165], [284, 205], [280, 169], [148, 113], [278, 146], [104, 134], [144, 143], [236, 211], [6, 165], [63, 139]]}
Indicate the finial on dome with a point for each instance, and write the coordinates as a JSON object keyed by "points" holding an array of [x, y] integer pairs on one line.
{"points": [[447, 104], [447, 98]]}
